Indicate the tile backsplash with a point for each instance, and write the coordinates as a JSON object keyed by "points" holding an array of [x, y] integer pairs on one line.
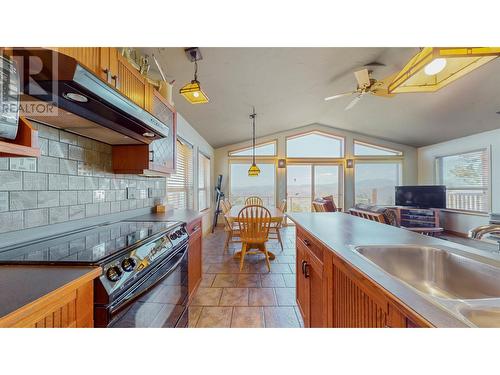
{"points": [[72, 180]]}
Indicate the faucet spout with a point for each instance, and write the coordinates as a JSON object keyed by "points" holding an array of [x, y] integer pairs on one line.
{"points": [[481, 231]]}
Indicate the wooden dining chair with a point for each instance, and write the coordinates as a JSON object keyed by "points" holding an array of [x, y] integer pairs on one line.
{"points": [[254, 222], [231, 228], [274, 230], [254, 201], [319, 206]]}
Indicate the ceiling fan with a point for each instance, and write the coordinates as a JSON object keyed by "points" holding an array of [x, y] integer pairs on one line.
{"points": [[366, 85]]}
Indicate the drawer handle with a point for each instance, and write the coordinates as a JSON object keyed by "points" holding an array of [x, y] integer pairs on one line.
{"points": [[306, 241], [194, 229], [306, 270], [151, 156], [303, 264]]}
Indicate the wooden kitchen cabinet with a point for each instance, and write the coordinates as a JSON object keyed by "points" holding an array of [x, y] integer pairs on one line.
{"points": [[310, 282], [195, 254], [157, 158]]}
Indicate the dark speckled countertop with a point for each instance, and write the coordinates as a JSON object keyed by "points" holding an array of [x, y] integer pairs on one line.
{"points": [[21, 285], [171, 215], [340, 232]]}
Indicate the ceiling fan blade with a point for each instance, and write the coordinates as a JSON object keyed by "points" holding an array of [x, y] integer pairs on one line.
{"points": [[340, 95], [363, 78], [353, 102]]}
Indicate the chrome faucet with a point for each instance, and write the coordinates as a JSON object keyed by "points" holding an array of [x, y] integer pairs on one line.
{"points": [[479, 232]]}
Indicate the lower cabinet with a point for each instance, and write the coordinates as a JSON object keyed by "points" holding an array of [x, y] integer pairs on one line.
{"points": [[331, 293], [194, 255]]}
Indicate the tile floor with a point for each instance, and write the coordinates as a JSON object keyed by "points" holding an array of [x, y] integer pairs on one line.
{"points": [[227, 297], [253, 297]]}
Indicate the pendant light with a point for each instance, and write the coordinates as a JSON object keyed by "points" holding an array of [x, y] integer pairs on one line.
{"points": [[253, 171], [192, 91]]}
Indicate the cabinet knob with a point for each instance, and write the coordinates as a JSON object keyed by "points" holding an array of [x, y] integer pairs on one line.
{"points": [[117, 81], [306, 270], [151, 156], [108, 75], [306, 241]]}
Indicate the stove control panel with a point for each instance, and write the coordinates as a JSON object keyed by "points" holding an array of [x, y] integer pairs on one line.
{"points": [[134, 262]]}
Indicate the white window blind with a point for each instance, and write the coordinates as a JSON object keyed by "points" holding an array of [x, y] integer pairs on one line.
{"points": [[180, 184], [203, 182], [466, 177]]}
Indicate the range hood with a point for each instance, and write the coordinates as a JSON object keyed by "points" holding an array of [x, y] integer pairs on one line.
{"points": [[86, 105]]}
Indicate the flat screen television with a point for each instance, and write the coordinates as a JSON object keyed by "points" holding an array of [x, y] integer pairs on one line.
{"points": [[431, 196]]}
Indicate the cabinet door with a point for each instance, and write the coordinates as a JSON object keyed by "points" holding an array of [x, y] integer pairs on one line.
{"points": [[195, 255], [90, 57], [130, 82], [313, 272], [302, 287]]}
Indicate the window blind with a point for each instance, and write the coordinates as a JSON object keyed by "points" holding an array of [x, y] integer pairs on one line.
{"points": [[180, 184], [466, 177], [203, 182]]}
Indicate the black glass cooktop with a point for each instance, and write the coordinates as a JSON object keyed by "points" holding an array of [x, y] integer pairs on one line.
{"points": [[86, 246]]}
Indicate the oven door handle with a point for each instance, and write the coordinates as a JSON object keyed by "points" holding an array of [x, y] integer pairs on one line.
{"points": [[132, 293]]}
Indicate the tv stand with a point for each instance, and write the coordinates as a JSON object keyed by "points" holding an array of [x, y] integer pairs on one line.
{"points": [[413, 217]]}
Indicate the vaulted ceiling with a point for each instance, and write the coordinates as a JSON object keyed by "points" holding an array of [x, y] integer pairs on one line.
{"points": [[287, 87]]}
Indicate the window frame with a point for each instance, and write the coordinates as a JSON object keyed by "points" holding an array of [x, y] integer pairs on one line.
{"points": [[385, 160], [368, 144], [322, 158], [189, 189], [439, 180], [208, 187], [274, 141], [247, 160]]}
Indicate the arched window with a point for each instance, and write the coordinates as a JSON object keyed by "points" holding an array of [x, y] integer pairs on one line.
{"points": [[263, 149], [314, 145], [368, 149]]}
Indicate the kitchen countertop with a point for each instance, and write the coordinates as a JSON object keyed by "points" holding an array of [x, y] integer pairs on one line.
{"points": [[340, 231], [171, 215], [22, 285]]}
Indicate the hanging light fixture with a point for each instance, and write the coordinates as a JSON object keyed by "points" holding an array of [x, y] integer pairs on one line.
{"points": [[192, 91], [435, 67], [253, 171]]}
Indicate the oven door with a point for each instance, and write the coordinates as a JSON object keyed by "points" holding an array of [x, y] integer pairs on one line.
{"points": [[166, 284]]}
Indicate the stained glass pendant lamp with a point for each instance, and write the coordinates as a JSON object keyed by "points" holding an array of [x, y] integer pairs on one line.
{"points": [[192, 91], [253, 171]]}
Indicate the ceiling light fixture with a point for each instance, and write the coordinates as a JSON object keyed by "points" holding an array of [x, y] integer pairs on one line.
{"points": [[192, 91], [420, 74], [435, 66], [253, 171], [74, 97]]}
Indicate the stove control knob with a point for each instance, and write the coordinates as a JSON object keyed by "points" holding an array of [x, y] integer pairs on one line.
{"points": [[179, 233], [173, 236], [128, 264], [114, 273]]}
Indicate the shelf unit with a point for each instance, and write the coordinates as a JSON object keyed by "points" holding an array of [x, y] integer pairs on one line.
{"points": [[25, 144], [417, 217]]}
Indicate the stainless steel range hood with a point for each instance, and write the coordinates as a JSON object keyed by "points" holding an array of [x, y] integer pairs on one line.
{"points": [[86, 104]]}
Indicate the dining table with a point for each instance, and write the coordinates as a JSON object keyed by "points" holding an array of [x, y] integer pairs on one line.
{"points": [[276, 216]]}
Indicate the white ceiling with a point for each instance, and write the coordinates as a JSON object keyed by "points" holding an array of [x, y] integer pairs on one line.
{"points": [[287, 87]]}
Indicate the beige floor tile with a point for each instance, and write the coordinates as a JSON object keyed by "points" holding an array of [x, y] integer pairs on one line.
{"points": [[207, 279], [193, 315], [285, 296], [272, 280], [248, 317], [225, 280], [223, 268], [280, 268], [249, 280], [215, 317], [262, 297], [234, 297], [280, 317], [289, 280], [299, 316], [285, 259], [207, 297]]}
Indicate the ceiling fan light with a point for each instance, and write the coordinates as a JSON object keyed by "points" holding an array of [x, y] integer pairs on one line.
{"points": [[193, 93], [435, 66]]}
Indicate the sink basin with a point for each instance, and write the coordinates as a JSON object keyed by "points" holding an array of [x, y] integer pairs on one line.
{"points": [[487, 317], [438, 272]]}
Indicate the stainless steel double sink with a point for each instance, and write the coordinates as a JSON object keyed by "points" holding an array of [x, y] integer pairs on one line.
{"points": [[465, 285]]}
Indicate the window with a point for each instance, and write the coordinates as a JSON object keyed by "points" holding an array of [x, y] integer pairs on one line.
{"points": [[180, 184], [314, 145], [375, 182], [243, 186], [203, 182], [466, 177], [263, 149], [367, 149]]}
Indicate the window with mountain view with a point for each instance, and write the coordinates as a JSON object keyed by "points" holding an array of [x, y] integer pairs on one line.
{"points": [[243, 186], [315, 145], [375, 182], [466, 177]]}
